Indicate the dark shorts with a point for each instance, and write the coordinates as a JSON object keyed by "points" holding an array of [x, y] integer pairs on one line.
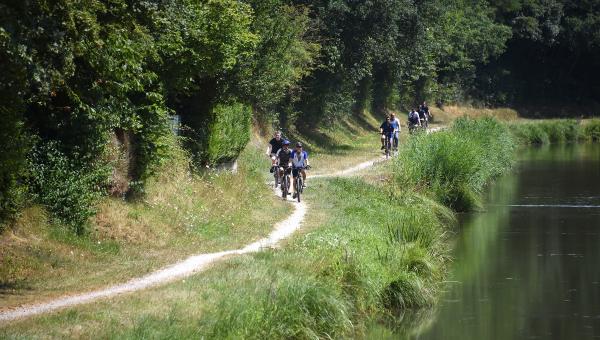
{"points": [[296, 171]]}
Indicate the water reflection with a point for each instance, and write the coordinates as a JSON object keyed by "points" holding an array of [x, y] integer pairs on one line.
{"points": [[528, 266]]}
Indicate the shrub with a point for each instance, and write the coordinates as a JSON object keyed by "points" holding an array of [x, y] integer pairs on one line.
{"points": [[228, 133], [67, 189], [13, 144], [547, 131], [455, 164], [592, 130]]}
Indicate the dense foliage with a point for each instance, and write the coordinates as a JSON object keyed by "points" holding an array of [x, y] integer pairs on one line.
{"points": [[551, 59], [89, 76]]}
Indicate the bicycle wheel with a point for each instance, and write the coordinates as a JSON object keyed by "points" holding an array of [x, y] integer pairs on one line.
{"points": [[298, 186], [284, 186], [387, 148]]}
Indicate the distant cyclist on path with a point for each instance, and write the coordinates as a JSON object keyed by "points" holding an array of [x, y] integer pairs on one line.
{"points": [[413, 120], [299, 165], [396, 124], [387, 131], [275, 145]]}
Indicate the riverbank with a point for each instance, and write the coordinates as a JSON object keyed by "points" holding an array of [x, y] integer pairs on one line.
{"points": [[365, 248]]}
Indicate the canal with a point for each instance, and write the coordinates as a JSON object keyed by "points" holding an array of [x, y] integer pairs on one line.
{"points": [[528, 266]]}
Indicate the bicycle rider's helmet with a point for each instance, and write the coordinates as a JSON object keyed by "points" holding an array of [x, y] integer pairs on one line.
{"points": [[286, 142], [298, 145]]}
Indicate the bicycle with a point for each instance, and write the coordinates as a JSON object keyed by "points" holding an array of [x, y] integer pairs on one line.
{"points": [[275, 169], [388, 146], [300, 182], [285, 183]]}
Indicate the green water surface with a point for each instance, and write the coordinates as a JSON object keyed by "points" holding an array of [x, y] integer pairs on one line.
{"points": [[528, 267]]}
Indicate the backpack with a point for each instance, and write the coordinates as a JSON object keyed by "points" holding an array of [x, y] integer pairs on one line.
{"points": [[413, 117]]}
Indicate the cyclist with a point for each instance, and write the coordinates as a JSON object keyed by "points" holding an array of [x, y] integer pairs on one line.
{"points": [[425, 109], [284, 157], [413, 120], [299, 166], [396, 124], [387, 131], [423, 116], [274, 145]]}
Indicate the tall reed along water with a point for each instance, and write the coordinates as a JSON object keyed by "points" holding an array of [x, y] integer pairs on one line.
{"points": [[528, 267]]}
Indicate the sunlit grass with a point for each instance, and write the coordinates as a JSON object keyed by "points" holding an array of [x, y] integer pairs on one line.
{"points": [[370, 253], [181, 214]]}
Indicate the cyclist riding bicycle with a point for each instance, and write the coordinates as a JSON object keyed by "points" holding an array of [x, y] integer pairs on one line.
{"points": [[396, 124], [423, 116], [275, 145], [284, 156], [413, 120], [423, 107], [387, 131], [299, 165]]}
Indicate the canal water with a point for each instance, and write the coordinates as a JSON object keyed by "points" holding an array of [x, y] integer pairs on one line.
{"points": [[528, 267]]}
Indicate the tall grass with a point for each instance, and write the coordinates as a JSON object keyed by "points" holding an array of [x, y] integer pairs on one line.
{"points": [[592, 130], [556, 131], [454, 165]]}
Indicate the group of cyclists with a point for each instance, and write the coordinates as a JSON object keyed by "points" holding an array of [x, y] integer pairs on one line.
{"points": [[286, 161], [418, 118]]}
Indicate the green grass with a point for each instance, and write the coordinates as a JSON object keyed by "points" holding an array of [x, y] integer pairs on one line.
{"points": [[556, 131], [181, 214], [344, 144], [454, 165], [372, 252]]}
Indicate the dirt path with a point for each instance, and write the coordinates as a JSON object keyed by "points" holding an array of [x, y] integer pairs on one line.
{"points": [[187, 267]]}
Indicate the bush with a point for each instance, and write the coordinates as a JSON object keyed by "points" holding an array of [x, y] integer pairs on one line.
{"points": [[67, 189], [228, 133], [455, 164], [13, 144], [592, 130], [547, 131]]}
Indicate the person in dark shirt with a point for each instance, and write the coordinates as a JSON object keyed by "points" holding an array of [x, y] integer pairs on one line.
{"points": [[413, 120], [387, 131], [284, 158], [274, 144]]}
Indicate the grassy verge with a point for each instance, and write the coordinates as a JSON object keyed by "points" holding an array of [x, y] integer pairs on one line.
{"points": [[556, 131], [368, 246], [364, 257], [182, 214]]}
